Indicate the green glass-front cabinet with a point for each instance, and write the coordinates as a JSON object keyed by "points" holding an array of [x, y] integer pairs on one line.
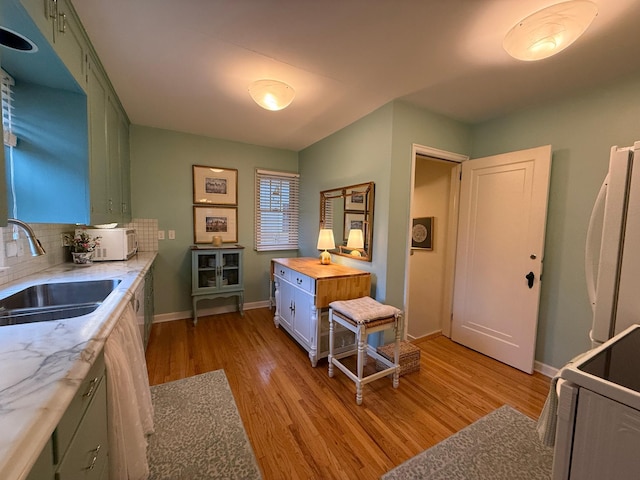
{"points": [[216, 272]]}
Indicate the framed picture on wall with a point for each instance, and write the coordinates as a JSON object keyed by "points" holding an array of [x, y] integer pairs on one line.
{"points": [[355, 200], [422, 233], [209, 222], [214, 185]]}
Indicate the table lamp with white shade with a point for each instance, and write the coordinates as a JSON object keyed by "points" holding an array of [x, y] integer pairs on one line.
{"points": [[326, 242], [355, 242]]}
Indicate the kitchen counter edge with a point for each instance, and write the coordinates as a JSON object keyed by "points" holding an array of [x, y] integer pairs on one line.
{"points": [[43, 364]]}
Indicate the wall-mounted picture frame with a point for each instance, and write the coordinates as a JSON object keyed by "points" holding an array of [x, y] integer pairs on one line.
{"points": [[215, 185], [209, 222], [355, 200], [422, 233], [354, 220]]}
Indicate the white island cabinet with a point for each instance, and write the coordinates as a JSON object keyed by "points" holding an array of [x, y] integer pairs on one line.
{"points": [[303, 291]]}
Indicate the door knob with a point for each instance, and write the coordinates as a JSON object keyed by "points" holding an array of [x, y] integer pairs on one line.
{"points": [[530, 276]]}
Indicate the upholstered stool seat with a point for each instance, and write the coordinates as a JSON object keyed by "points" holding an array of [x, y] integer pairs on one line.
{"points": [[364, 316]]}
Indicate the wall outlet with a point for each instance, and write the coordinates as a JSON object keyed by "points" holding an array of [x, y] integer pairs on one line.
{"points": [[67, 239], [172, 234], [11, 249], [160, 234]]}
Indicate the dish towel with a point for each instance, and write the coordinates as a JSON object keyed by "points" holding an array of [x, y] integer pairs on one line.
{"points": [[548, 419], [129, 407]]}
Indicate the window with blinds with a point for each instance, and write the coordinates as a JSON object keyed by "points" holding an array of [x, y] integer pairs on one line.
{"points": [[276, 222], [7, 83]]}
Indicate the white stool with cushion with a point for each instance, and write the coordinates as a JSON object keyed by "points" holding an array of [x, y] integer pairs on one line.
{"points": [[364, 316]]}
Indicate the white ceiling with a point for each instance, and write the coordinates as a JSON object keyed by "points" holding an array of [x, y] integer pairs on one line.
{"points": [[186, 65]]}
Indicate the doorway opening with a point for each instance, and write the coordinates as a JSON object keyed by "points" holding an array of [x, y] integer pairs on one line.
{"points": [[435, 189]]}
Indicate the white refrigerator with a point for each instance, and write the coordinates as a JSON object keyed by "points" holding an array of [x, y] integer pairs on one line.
{"points": [[612, 257]]}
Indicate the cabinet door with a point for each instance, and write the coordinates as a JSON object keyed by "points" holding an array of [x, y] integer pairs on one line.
{"points": [[69, 41], [204, 271], [42, 13], [286, 307], [114, 181], [125, 168], [43, 468], [98, 166], [231, 270], [302, 320], [87, 453]]}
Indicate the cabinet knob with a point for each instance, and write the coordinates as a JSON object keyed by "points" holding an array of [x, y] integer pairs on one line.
{"points": [[92, 388], [95, 457]]}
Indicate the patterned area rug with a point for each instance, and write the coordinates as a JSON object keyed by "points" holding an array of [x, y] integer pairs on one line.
{"points": [[503, 445], [199, 432]]}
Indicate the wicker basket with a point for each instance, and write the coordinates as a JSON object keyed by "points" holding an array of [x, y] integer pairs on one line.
{"points": [[409, 357]]}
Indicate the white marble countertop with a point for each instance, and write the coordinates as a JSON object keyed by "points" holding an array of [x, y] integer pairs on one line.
{"points": [[42, 364]]}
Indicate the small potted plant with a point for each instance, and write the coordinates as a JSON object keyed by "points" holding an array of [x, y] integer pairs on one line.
{"points": [[82, 248]]}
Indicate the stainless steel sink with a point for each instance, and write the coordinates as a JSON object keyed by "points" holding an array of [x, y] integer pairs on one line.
{"points": [[54, 301]]}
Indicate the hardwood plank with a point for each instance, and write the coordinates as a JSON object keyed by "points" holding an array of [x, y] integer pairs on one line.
{"points": [[303, 424]]}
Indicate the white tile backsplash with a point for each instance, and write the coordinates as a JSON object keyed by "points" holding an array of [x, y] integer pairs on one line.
{"points": [[50, 235], [147, 231]]}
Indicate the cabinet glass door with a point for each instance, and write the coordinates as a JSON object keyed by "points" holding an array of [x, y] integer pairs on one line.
{"points": [[230, 269], [208, 270]]}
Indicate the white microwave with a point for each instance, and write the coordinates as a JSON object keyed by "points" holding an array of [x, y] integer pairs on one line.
{"points": [[115, 243]]}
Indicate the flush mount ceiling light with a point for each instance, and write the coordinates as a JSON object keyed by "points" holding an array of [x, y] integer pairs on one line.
{"points": [[550, 30], [271, 94]]}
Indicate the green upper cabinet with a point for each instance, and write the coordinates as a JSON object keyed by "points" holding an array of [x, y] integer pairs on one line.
{"points": [[125, 168], [71, 163], [59, 23], [109, 141], [97, 97]]}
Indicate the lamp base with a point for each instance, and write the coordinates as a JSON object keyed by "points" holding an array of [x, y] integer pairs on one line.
{"points": [[325, 258], [355, 253]]}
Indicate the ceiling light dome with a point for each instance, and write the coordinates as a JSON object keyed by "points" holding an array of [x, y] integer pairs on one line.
{"points": [[550, 30], [271, 94]]}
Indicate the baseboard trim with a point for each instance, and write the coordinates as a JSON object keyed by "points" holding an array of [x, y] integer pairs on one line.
{"points": [[428, 336], [170, 317], [547, 370]]}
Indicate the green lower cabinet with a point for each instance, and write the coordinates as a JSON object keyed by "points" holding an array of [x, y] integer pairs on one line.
{"points": [[87, 455], [44, 469], [78, 448]]}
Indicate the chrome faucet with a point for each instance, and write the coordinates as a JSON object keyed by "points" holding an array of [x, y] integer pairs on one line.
{"points": [[34, 244]]}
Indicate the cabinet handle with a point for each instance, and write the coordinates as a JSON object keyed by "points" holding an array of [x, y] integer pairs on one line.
{"points": [[292, 308], [92, 388], [53, 8], [95, 458], [62, 26]]}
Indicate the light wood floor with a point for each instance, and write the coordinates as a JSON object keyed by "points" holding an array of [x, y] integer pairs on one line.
{"points": [[304, 425]]}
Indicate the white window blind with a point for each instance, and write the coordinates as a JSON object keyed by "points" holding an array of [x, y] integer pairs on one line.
{"points": [[276, 222], [6, 83], [328, 213]]}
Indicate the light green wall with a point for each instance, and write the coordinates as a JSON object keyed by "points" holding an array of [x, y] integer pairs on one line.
{"points": [[581, 130], [412, 125], [356, 154], [376, 148], [162, 188]]}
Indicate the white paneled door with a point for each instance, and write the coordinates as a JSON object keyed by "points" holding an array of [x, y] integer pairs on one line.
{"points": [[503, 209]]}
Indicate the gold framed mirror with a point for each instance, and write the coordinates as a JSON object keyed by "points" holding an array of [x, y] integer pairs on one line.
{"points": [[348, 212]]}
